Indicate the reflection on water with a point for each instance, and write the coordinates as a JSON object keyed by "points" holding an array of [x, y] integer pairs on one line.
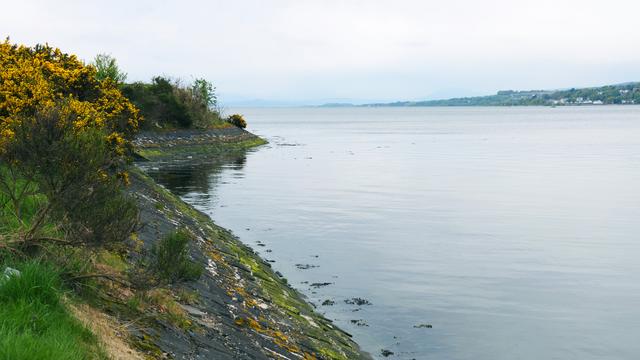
{"points": [[196, 177], [512, 231]]}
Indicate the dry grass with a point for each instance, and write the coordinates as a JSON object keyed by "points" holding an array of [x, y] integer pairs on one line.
{"points": [[108, 330]]}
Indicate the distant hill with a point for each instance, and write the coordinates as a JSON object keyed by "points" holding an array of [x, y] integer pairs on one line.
{"points": [[627, 93]]}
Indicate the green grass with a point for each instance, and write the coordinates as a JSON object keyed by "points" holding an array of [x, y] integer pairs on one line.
{"points": [[34, 322]]}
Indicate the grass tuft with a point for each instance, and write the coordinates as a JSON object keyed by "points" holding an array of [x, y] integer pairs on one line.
{"points": [[172, 261], [35, 324]]}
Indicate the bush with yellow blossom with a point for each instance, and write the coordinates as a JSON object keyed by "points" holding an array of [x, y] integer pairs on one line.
{"points": [[66, 134], [37, 78]]}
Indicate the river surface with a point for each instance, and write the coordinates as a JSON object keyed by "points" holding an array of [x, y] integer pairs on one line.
{"points": [[513, 232]]}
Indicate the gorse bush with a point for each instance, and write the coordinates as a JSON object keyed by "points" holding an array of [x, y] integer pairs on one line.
{"points": [[35, 79], [237, 120], [64, 135], [77, 173], [171, 258]]}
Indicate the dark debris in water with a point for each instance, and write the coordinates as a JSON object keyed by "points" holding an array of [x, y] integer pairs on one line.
{"points": [[386, 353], [319, 285], [328, 302], [423, 326], [359, 322], [357, 301], [306, 266], [288, 144]]}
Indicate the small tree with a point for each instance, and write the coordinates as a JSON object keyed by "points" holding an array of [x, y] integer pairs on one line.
{"points": [[205, 90], [107, 68]]}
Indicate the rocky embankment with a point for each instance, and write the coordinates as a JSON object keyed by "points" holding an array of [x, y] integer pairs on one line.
{"points": [[188, 143], [243, 309]]}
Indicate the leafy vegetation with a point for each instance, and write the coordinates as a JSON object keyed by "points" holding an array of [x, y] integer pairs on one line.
{"points": [[107, 68], [168, 104], [165, 103]]}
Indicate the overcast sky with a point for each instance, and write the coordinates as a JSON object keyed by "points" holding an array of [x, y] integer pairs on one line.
{"points": [[324, 50]]}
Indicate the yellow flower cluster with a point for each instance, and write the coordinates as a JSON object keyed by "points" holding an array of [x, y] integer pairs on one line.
{"points": [[37, 78]]}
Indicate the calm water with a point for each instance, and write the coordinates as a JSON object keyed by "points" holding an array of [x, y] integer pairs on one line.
{"points": [[514, 232]]}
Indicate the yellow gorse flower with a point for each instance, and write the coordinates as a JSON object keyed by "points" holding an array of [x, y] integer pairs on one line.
{"points": [[38, 78]]}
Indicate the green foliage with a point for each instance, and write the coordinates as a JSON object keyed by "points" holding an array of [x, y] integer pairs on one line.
{"points": [[34, 323], [201, 102], [165, 103], [206, 92], [158, 103], [107, 68], [237, 120], [171, 258], [170, 106]]}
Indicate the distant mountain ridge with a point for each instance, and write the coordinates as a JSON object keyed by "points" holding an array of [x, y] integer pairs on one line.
{"points": [[626, 93]]}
